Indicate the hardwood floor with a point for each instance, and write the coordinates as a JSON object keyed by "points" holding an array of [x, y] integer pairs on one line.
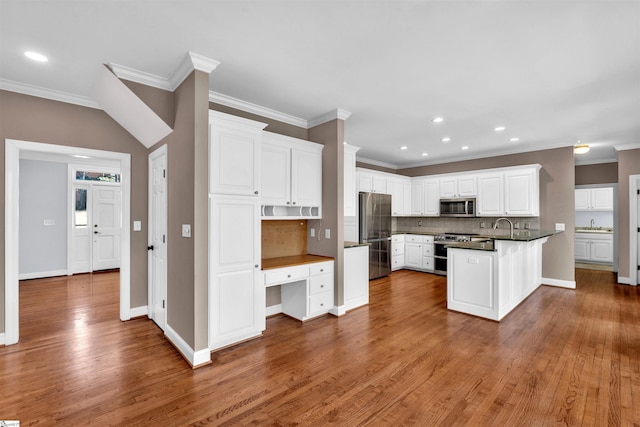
{"points": [[569, 357]]}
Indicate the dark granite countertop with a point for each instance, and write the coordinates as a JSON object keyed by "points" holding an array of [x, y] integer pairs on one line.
{"points": [[348, 244]]}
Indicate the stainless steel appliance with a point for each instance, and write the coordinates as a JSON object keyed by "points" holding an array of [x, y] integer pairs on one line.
{"points": [[460, 208], [375, 229], [440, 243]]}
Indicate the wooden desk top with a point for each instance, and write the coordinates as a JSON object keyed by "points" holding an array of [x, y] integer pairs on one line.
{"points": [[290, 261]]}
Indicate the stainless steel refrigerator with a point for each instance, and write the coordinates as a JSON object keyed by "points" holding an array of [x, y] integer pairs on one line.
{"points": [[375, 229]]}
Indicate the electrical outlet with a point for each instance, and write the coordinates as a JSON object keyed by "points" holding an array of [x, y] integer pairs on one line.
{"points": [[559, 226], [527, 225], [137, 225], [516, 225], [327, 233], [49, 222], [483, 225], [186, 230], [312, 232]]}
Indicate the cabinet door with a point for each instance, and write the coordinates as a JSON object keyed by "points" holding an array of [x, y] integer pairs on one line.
{"points": [[380, 184], [236, 294], [306, 177], [602, 199], [234, 159], [601, 250], [467, 186], [581, 248], [406, 197], [276, 175], [413, 255], [448, 187], [417, 197], [521, 197], [582, 199], [397, 196], [490, 195], [431, 198], [365, 182]]}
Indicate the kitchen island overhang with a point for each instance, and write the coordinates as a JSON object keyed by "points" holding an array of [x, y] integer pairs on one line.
{"points": [[489, 279]]}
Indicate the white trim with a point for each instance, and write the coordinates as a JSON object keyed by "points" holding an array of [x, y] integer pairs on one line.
{"points": [[194, 358], [338, 113], [624, 280], [13, 148], [42, 274], [248, 107], [376, 163], [634, 186], [338, 310], [569, 284], [147, 79], [1, 338], [138, 311], [52, 94], [273, 309], [624, 147]]}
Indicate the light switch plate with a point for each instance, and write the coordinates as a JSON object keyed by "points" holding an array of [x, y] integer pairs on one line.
{"points": [[327, 233], [137, 225], [186, 230], [559, 226], [49, 222]]}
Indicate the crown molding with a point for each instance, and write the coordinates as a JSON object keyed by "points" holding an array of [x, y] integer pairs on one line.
{"points": [[52, 94], [338, 113], [192, 61], [624, 147], [376, 163], [141, 77], [248, 107]]}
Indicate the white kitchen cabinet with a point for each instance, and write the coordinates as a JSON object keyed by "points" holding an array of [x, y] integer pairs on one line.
{"points": [[455, 186], [306, 290], [593, 247], [425, 197], [400, 190], [291, 185], [413, 255], [350, 187], [397, 251], [509, 192], [356, 277], [419, 251], [234, 155], [236, 295], [371, 181], [594, 199]]}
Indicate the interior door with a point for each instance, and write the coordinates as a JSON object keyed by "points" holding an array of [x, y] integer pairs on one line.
{"points": [[158, 238], [81, 238], [107, 225]]}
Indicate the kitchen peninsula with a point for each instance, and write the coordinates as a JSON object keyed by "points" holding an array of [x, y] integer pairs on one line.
{"points": [[490, 278]]}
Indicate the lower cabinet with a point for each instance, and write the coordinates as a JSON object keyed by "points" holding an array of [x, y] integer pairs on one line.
{"points": [[306, 290], [236, 295], [397, 252], [356, 277], [418, 252], [594, 247]]}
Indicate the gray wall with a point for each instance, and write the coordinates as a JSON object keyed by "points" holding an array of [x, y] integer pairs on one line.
{"points": [[43, 195], [601, 173], [628, 164]]}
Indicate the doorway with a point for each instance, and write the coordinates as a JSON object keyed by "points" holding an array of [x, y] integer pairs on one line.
{"points": [[13, 151]]}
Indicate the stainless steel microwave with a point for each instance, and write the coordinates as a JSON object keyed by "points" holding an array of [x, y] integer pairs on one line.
{"points": [[459, 208]]}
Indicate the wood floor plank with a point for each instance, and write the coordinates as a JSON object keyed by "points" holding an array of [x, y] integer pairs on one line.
{"points": [[569, 357]]}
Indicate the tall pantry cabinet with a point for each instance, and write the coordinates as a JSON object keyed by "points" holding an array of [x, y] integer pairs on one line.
{"points": [[236, 293]]}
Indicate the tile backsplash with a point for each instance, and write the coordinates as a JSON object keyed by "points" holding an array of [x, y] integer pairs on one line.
{"points": [[459, 225]]}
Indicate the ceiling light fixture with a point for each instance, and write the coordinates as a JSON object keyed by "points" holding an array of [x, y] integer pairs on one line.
{"points": [[438, 119], [425, 154], [464, 147], [581, 148], [515, 139], [499, 128], [36, 56], [446, 139]]}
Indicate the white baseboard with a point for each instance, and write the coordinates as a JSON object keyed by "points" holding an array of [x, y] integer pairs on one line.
{"points": [[273, 309], [42, 274], [138, 311], [569, 284], [194, 358], [338, 310], [355, 303], [2, 338], [624, 280]]}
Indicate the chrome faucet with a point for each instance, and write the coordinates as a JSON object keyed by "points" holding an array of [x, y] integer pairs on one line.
{"points": [[495, 225], [592, 223]]}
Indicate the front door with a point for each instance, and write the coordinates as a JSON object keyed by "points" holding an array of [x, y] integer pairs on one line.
{"points": [[106, 227], [158, 236]]}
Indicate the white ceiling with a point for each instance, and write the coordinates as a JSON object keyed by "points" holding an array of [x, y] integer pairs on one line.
{"points": [[552, 72]]}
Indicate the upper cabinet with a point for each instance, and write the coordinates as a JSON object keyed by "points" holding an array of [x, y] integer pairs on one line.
{"points": [[594, 199], [455, 186], [291, 184], [400, 190], [350, 187], [510, 192], [234, 155], [425, 197], [372, 182]]}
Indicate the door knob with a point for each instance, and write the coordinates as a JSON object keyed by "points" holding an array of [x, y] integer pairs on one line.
{"points": [[150, 248], [96, 232]]}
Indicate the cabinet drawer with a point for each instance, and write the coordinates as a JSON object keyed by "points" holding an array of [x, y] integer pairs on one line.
{"points": [[321, 268], [284, 275], [413, 238], [397, 262], [398, 238], [427, 250], [427, 239], [397, 249], [320, 303], [427, 263], [320, 284]]}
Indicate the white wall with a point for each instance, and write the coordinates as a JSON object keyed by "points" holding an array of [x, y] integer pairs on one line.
{"points": [[43, 196], [601, 219]]}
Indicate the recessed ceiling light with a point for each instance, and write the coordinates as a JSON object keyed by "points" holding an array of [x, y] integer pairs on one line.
{"points": [[499, 128], [438, 119], [446, 139], [36, 56], [344, 142], [404, 147], [425, 154], [464, 147], [514, 139]]}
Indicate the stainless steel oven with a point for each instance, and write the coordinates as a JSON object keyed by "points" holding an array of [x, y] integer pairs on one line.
{"points": [[440, 244]]}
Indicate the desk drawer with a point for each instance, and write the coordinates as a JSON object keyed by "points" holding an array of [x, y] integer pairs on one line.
{"points": [[320, 303], [321, 268], [319, 284], [284, 275]]}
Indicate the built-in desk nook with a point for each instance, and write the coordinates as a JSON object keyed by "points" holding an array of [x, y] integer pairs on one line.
{"points": [[306, 284]]}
